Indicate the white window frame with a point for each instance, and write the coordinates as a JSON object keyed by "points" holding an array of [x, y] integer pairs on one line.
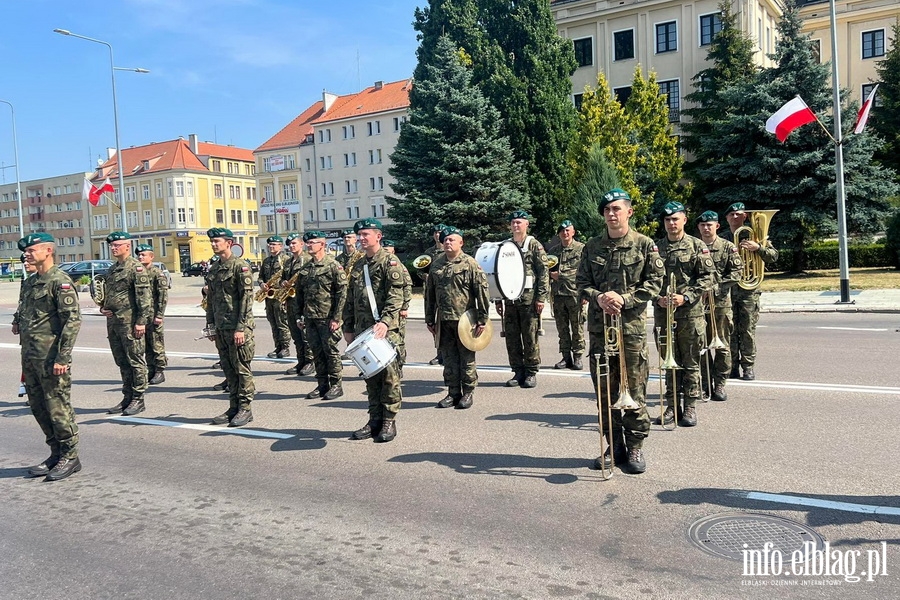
{"points": [[613, 43]]}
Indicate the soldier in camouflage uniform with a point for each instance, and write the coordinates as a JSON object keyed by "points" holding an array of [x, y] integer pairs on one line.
{"points": [[688, 260], [29, 270], [292, 268], [620, 271], [745, 302], [456, 283], [128, 308], [728, 266], [229, 318], [155, 337], [48, 322], [433, 252], [387, 286], [521, 318], [319, 303], [568, 308], [272, 266], [390, 247], [350, 253]]}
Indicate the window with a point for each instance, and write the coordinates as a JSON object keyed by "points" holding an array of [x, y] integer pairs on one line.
{"points": [[169, 185], [670, 90], [145, 191], [160, 217], [374, 156], [162, 247], [873, 43], [234, 192], [252, 217], [148, 218], [578, 99], [189, 185], [710, 25], [374, 127], [191, 215], [584, 52], [328, 213], [666, 37], [220, 216], [179, 189], [623, 45], [251, 193], [182, 216], [270, 224], [349, 132], [217, 166], [130, 193], [310, 216], [351, 186], [350, 159], [267, 193], [398, 123], [236, 216], [866, 90], [217, 190], [289, 161], [159, 189], [289, 191], [232, 167], [377, 207], [353, 209], [309, 191], [118, 221], [815, 46], [376, 183], [247, 170], [308, 164], [622, 94], [325, 135]]}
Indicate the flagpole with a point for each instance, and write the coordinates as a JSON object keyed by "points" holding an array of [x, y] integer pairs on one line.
{"points": [[843, 256]]}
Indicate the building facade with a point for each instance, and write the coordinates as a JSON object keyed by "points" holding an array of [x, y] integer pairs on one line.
{"points": [[52, 204], [174, 192], [328, 168]]}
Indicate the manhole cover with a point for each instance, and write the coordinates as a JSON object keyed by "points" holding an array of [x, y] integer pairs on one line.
{"points": [[729, 534]]}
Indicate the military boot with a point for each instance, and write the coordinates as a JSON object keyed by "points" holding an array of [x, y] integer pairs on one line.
{"points": [[42, 469], [307, 369], [719, 394], [216, 365], [529, 380], [577, 365], [119, 407], [516, 379], [335, 391], [735, 372], [447, 401], [566, 361], [688, 417], [466, 401], [316, 393], [221, 387], [388, 431], [274, 353], [225, 417], [158, 377], [370, 429], [136, 406], [293, 370], [283, 352], [749, 375], [636, 463], [64, 468], [669, 416], [243, 416]]}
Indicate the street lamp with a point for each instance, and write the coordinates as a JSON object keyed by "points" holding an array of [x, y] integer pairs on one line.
{"points": [[18, 181], [112, 70]]}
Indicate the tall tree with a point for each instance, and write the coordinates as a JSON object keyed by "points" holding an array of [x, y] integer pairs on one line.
{"points": [[451, 162], [885, 119], [522, 66], [598, 176]]}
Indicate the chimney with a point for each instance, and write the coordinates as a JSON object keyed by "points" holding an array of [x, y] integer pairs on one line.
{"points": [[379, 85], [110, 152], [328, 99], [192, 142]]}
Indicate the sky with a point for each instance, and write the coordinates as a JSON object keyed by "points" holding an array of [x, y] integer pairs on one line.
{"points": [[231, 71]]}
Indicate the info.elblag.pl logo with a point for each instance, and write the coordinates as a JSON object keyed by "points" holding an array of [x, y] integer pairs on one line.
{"points": [[811, 566]]}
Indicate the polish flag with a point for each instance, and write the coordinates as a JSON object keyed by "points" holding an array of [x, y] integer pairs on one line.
{"points": [[789, 117], [863, 115], [92, 193]]}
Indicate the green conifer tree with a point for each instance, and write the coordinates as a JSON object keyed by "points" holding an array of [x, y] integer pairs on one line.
{"points": [[598, 176], [885, 118]]}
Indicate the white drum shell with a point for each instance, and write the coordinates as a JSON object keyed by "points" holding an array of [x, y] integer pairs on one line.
{"points": [[371, 356], [504, 265]]}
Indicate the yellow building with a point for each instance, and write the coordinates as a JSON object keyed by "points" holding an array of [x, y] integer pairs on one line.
{"points": [[174, 192]]}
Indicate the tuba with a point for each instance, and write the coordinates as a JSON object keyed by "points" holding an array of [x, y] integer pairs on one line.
{"points": [[98, 290], [422, 262], [552, 262], [757, 231]]}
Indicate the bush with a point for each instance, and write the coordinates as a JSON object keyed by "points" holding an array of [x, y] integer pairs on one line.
{"points": [[826, 256], [892, 239], [84, 280]]}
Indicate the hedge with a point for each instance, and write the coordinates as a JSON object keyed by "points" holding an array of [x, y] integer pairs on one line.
{"points": [[825, 256]]}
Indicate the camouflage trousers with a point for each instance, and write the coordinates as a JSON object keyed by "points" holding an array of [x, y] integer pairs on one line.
{"points": [[236, 364], [401, 347], [128, 352], [323, 344], [277, 316], [721, 359], [155, 347], [300, 337], [521, 323], [384, 388], [745, 307], [460, 371], [635, 424], [49, 400], [570, 316], [688, 341]]}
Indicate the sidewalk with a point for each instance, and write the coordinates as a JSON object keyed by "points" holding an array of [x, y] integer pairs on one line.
{"points": [[887, 301]]}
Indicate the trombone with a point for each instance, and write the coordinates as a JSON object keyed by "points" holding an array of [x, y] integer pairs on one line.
{"points": [[715, 341], [667, 363]]}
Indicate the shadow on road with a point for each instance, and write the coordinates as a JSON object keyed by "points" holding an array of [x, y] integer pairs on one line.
{"points": [[514, 465], [580, 422]]}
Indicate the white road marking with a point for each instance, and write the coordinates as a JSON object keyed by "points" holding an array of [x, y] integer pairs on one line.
{"points": [[218, 429], [871, 509], [851, 329]]}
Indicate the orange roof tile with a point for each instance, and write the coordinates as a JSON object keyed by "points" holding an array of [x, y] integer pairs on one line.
{"points": [[167, 156], [296, 131], [220, 151], [391, 96]]}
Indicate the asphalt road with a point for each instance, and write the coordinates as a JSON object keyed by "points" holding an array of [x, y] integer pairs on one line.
{"points": [[494, 502]]}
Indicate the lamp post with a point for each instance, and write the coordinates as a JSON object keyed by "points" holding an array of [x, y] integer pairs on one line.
{"points": [[18, 181], [112, 70], [843, 258]]}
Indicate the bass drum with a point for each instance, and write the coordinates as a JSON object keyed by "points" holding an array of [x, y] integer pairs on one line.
{"points": [[371, 356], [504, 265]]}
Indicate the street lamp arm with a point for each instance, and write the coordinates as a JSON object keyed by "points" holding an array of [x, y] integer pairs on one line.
{"points": [[18, 180]]}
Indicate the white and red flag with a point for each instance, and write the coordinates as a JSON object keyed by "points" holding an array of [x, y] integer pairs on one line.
{"points": [[92, 193], [789, 117], [863, 115]]}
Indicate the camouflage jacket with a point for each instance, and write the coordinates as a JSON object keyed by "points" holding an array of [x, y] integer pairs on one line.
{"points": [[345, 259], [630, 266], [387, 285], [15, 318], [407, 286], [294, 265], [127, 292], [767, 251], [689, 260], [159, 290], [569, 260], [321, 289], [50, 318], [453, 287], [728, 265], [537, 276], [271, 265], [229, 304]]}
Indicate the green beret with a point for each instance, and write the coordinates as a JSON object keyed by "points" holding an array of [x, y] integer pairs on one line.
{"points": [[448, 231], [367, 224], [708, 217], [313, 235], [143, 248], [519, 214], [275, 239], [115, 236], [388, 244], [39, 237], [220, 232], [348, 232], [736, 207], [438, 227], [291, 237], [672, 208], [612, 196], [564, 225]]}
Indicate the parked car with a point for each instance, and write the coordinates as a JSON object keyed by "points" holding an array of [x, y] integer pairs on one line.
{"points": [[88, 267], [195, 270], [165, 271]]}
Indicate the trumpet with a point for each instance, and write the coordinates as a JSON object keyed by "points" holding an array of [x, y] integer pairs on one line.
{"points": [[422, 262], [206, 333], [667, 363], [268, 292]]}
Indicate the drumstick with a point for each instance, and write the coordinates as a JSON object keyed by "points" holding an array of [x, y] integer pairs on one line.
{"points": [[498, 306]]}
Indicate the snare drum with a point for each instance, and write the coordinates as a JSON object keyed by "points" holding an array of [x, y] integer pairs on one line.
{"points": [[504, 265], [371, 355]]}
